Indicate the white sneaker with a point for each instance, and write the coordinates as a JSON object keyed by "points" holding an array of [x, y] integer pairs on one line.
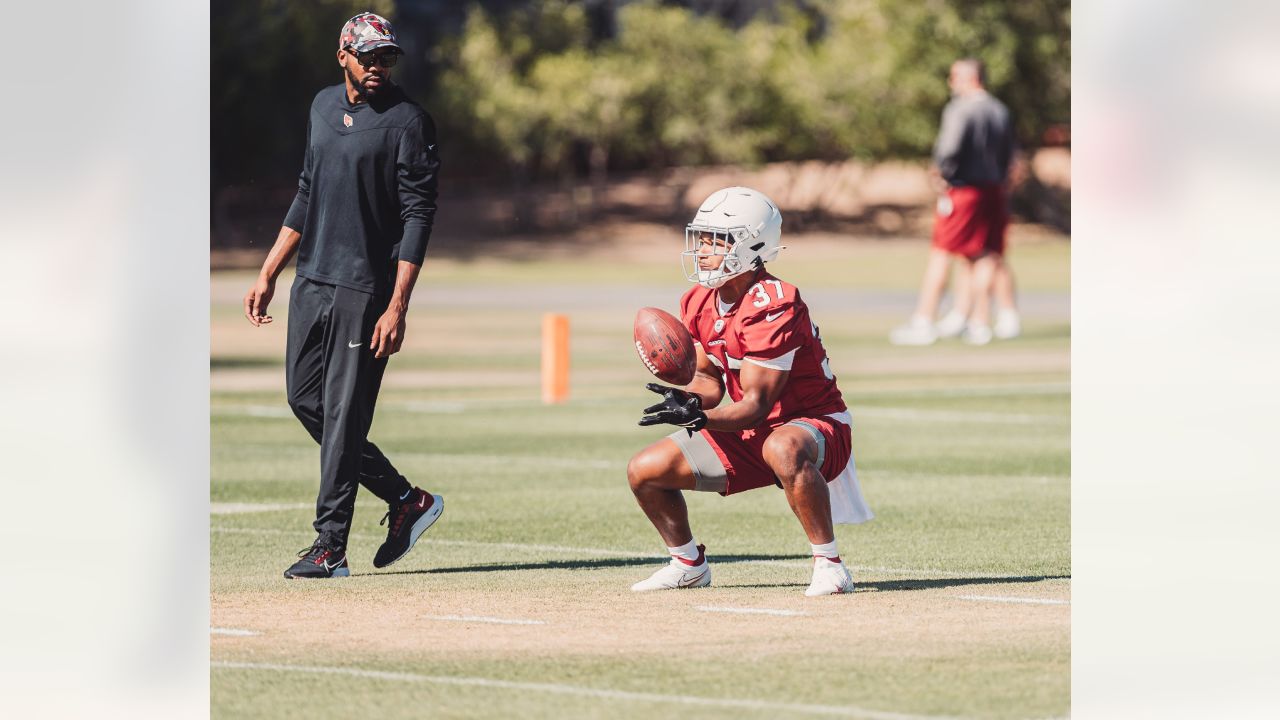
{"points": [[678, 575], [977, 334], [829, 578], [951, 326], [1008, 325], [919, 331]]}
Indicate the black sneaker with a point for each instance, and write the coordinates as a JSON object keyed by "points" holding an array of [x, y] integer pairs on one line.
{"points": [[319, 561], [409, 519]]}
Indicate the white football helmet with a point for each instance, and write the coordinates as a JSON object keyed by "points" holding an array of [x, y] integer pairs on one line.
{"points": [[742, 225]]}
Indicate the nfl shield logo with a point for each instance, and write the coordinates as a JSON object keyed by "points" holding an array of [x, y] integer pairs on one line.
{"points": [[346, 119], [719, 325]]}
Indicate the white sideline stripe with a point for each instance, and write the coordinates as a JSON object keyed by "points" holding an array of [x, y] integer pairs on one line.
{"points": [[836, 710], [483, 619], [896, 475], [892, 413], [516, 460], [1029, 601], [513, 462], [271, 411], [232, 631], [240, 508], [978, 390], [602, 552], [750, 611]]}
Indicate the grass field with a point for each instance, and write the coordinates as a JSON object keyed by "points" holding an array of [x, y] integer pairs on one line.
{"points": [[517, 604]]}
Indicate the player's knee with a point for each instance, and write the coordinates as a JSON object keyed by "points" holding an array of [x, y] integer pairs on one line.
{"points": [[786, 454], [641, 469], [649, 466]]}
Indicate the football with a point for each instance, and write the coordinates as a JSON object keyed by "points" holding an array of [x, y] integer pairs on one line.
{"points": [[665, 346]]}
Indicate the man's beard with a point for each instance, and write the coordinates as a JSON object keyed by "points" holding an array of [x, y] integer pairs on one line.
{"points": [[363, 92]]}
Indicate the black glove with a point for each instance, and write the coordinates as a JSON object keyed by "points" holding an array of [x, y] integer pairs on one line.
{"points": [[677, 408]]}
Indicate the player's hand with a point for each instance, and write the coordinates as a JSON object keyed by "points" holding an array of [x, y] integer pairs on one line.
{"points": [[257, 299], [388, 333], [677, 408]]}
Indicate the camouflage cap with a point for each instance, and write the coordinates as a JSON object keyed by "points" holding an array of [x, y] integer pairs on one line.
{"points": [[366, 32]]}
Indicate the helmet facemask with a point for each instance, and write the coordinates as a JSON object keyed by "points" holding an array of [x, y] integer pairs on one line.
{"points": [[719, 243]]}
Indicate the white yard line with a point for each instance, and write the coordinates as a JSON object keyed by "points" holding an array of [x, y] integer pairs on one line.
{"points": [[233, 631], [896, 475], [484, 619], [975, 391], [515, 461], [949, 416], [512, 462], [604, 552], [242, 508], [581, 691], [1024, 600], [271, 411], [750, 611]]}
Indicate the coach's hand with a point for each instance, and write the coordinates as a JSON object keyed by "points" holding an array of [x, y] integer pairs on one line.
{"points": [[677, 408], [257, 299], [388, 333]]}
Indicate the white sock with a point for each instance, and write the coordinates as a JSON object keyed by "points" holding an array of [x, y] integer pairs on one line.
{"points": [[921, 319], [826, 550], [688, 551]]}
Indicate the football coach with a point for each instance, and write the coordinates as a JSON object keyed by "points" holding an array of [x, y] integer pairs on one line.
{"points": [[359, 226]]}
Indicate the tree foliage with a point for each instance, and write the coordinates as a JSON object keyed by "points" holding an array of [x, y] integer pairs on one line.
{"points": [[532, 90], [536, 90]]}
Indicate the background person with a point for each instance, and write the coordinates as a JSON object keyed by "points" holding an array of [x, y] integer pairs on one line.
{"points": [[360, 223], [971, 161]]}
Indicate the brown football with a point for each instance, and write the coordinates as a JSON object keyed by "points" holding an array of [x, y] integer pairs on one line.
{"points": [[665, 346]]}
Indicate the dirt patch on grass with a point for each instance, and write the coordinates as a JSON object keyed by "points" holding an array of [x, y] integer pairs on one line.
{"points": [[608, 621]]}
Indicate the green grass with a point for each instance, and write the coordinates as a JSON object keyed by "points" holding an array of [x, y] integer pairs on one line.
{"points": [[964, 454]]}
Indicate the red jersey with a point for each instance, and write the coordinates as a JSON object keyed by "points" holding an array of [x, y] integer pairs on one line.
{"points": [[770, 326]]}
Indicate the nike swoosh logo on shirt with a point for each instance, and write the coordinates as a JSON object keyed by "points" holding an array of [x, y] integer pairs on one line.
{"points": [[354, 345], [774, 316]]}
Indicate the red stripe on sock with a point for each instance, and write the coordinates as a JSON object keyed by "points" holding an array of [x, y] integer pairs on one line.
{"points": [[702, 557]]}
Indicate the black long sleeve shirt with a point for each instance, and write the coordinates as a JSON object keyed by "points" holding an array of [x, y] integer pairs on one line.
{"points": [[367, 191]]}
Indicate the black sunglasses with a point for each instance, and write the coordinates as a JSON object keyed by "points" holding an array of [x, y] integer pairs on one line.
{"points": [[367, 59]]}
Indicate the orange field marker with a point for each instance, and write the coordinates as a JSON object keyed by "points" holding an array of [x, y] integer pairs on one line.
{"points": [[555, 358]]}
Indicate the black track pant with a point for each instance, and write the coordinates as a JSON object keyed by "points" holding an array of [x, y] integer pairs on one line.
{"points": [[333, 380]]}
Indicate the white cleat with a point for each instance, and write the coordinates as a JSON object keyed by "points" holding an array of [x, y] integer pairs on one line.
{"points": [[978, 335], [1008, 325], [951, 326], [829, 578], [678, 575], [919, 331]]}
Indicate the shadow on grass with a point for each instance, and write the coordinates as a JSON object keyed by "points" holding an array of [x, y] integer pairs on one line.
{"points": [[585, 564], [863, 586], [907, 585]]}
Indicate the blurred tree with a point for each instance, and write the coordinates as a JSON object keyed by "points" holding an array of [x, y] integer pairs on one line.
{"points": [[533, 89]]}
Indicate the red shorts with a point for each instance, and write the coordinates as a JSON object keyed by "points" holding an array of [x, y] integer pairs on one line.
{"points": [[976, 224], [742, 453]]}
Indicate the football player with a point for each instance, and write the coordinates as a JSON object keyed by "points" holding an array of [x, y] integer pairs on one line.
{"points": [[787, 424]]}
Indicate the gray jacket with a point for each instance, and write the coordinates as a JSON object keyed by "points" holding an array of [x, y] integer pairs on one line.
{"points": [[975, 142]]}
